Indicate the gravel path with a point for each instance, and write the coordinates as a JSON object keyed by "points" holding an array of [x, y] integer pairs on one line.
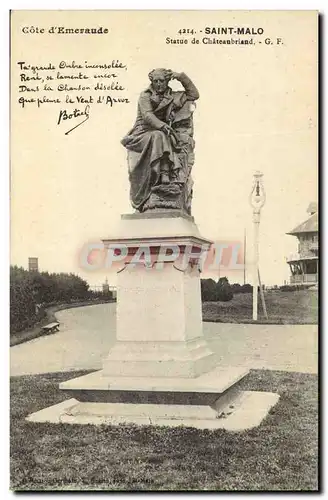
{"points": [[87, 333]]}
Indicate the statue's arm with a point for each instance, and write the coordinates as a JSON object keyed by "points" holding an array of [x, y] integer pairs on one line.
{"points": [[147, 113], [191, 92]]}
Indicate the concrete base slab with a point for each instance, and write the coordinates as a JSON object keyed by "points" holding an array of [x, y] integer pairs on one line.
{"points": [[206, 389], [248, 410], [217, 380]]}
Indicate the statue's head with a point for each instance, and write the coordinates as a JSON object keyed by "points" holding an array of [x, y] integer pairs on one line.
{"points": [[160, 78]]}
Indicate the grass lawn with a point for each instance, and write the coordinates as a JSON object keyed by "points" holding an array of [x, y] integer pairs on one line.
{"points": [[280, 454], [299, 307]]}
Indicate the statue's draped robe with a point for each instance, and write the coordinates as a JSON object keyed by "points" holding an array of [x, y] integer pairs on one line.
{"points": [[147, 143]]}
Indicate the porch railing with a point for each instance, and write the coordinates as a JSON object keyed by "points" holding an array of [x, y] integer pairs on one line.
{"points": [[298, 279]]}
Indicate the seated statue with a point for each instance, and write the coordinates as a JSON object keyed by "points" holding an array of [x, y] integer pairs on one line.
{"points": [[160, 145]]}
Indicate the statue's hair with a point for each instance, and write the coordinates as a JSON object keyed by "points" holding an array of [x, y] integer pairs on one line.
{"points": [[165, 72]]}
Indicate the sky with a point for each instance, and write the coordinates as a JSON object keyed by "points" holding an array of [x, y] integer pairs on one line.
{"points": [[257, 111]]}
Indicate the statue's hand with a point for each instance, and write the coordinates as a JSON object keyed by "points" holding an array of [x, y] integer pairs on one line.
{"points": [[167, 129], [173, 75]]}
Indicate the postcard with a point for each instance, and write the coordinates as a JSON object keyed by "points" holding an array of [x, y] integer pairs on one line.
{"points": [[164, 250]]}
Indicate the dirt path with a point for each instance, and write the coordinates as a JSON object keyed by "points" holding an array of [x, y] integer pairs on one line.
{"points": [[87, 333]]}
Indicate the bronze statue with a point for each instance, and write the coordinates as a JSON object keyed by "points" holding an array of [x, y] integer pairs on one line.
{"points": [[160, 145]]}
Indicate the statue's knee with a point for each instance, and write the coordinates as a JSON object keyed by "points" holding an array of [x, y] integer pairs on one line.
{"points": [[157, 134]]}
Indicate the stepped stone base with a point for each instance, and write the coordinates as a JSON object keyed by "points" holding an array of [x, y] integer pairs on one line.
{"points": [[183, 359], [211, 401]]}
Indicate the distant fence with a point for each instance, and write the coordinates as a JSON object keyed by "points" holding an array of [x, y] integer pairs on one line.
{"points": [[103, 289]]}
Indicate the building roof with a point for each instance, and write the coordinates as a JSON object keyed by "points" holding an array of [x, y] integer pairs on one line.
{"points": [[312, 208], [308, 226], [299, 259]]}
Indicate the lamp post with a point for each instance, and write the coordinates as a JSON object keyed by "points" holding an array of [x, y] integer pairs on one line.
{"points": [[257, 200]]}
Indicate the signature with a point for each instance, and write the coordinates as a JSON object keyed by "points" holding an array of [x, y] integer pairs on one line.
{"points": [[68, 115]]}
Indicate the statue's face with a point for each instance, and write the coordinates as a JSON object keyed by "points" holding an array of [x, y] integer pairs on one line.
{"points": [[159, 83]]}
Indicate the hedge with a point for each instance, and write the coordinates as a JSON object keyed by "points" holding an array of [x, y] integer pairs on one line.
{"points": [[32, 291]]}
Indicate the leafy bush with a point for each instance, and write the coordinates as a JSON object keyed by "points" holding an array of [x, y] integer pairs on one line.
{"points": [[23, 310], [31, 291], [236, 287], [224, 290], [292, 288], [208, 290], [212, 291], [101, 295]]}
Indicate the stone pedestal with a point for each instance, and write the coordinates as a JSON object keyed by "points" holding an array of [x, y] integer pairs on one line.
{"points": [[159, 316], [161, 370]]}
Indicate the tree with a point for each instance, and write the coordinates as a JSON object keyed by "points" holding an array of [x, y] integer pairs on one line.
{"points": [[224, 290], [22, 299], [208, 290]]}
